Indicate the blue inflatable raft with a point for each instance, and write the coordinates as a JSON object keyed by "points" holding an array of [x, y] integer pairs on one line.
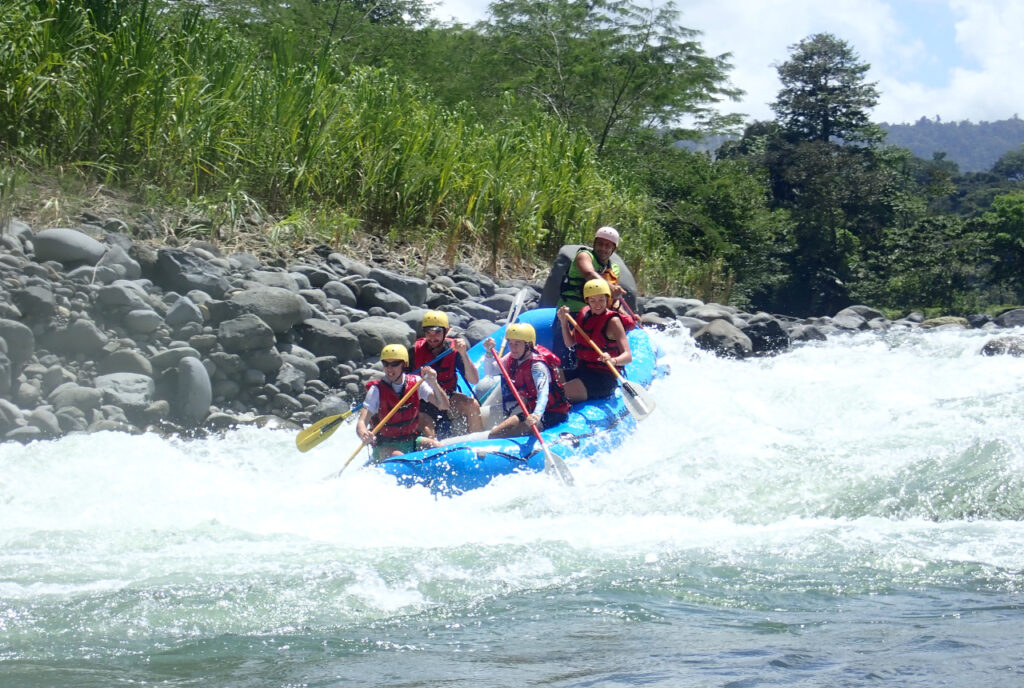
{"points": [[593, 426]]}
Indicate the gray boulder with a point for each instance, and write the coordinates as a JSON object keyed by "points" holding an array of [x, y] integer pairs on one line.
{"points": [[10, 416], [270, 278], [479, 330], [266, 360], [1011, 318], [1007, 345], [724, 339], [331, 405], [670, 307], [866, 312], [122, 264], [124, 361], [849, 319], [169, 358], [36, 301], [324, 338], [182, 271], [412, 289], [371, 295], [375, 332], [183, 311], [767, 334], [21, 343], [279, 308], [806, 333], [128, 391], [479, 311], [80, 337], [142, 321], [66, 245], [348, 265], [340, 292], [247, 332], [712, 311], [124, 295], [5, 371], [46, 421], [191, 404], [70, 394]]}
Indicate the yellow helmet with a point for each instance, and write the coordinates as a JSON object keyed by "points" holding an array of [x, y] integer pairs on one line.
{"points": [[395, 352], [523, 332], [435, 319], [596, 286]]}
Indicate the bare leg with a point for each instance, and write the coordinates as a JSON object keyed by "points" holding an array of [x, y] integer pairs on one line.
{"points": [[470, 409], [426, 426], [575, 391], [510, 427]]}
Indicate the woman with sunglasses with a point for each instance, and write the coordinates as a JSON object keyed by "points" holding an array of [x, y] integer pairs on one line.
{"points": [[400, 435]]}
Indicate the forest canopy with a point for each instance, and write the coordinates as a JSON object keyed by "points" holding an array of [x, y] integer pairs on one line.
{"points": [[511, 137]]}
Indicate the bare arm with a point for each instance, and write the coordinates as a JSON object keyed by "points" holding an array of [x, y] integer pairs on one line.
{"points": [[568, 338], [585, 264], [617, 332], [363, 427], [437, 396]]}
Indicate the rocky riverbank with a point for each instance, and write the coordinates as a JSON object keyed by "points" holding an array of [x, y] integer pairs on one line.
{"points": [[99, 331]]}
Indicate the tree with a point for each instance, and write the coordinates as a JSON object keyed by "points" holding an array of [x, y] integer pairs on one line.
{"points": [[938, 261], [841, 197], [609, 67], [1006, 227], [716, 212], [1011, 165], [824, 95]]}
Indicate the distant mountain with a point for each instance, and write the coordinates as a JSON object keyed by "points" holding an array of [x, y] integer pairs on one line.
{"points": [[974, 147]]}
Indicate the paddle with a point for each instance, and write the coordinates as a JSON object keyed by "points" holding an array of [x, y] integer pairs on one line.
{"points": [[552, 462], [400, 404], [513, 313], [631, 313], [321, 430], [639, 403], [325, 427]]}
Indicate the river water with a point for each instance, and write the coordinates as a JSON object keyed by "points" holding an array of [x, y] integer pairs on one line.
{"points": [[847, 514]]}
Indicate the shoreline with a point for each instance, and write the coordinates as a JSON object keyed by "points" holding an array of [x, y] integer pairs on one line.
{"points": [[99, 331]]}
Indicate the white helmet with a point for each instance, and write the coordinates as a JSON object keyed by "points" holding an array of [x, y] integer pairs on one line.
{"points": [[608, 233]]}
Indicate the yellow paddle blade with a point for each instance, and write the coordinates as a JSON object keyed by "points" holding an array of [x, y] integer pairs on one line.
{"points": [[319, 431]]}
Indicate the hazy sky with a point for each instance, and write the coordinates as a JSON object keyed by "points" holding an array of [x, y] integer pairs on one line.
{"points": [[956, 59]]}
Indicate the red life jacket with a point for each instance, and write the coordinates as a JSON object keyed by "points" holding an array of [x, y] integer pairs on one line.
{"points": [[402, 425], [522, 378], [628, 321], [595, 326], [447, 376]]}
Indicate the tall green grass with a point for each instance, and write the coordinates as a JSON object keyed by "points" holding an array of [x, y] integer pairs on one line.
{"points": [[147, 93]]}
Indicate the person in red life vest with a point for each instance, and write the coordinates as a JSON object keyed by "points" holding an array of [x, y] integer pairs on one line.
{"points": [[435, 422], [400, 435], [592, 378], [590, 264], [531, 368]]}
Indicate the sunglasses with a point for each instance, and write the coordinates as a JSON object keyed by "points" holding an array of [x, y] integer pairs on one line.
{"points": [[433, 329], [393, 364]]}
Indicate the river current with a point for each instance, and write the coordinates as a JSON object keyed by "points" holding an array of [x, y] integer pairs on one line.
{"points": [[850, 513]]}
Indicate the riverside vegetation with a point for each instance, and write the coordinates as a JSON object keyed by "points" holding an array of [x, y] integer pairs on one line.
{"points": [[322, 120]]}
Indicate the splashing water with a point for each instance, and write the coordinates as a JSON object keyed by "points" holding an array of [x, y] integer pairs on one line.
{"points": [[847, 513]]}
